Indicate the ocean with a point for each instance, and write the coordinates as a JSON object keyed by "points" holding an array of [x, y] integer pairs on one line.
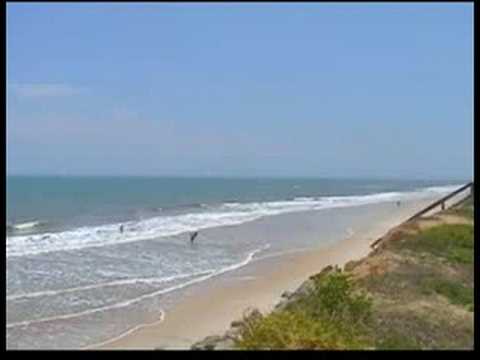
{"points": [[72, 274]]}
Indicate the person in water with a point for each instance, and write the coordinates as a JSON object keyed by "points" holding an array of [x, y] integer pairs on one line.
{"points": [[398, 203], [121, 229], [193, 236]]}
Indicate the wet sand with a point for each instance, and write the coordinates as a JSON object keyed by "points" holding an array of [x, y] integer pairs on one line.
{"points": [[210, 308]]}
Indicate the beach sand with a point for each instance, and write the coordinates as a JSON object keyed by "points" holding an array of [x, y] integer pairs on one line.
{"points": [[209, 309]]}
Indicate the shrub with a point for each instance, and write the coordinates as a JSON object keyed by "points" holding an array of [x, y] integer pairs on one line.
{"points": [[337, 300], [331, 317], [290, 330]]}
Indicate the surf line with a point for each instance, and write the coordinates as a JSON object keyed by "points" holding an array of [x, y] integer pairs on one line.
{"points": [[140, 298], [163, 314], [25, 225], [127, 332], [112, 283]]}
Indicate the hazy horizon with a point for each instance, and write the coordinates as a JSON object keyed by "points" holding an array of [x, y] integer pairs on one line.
{"points": [[367, 91], [247, 177]]}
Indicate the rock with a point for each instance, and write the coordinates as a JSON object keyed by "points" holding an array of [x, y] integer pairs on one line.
{"points": [[325, 270], [251, 314], [209, 343], [349, 266], [225, 344], [233, 333], [236, 323], [214, 342], [281, 305], [306, 288]]}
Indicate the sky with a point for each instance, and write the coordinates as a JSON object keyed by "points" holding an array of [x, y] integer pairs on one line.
{"points": [[272, 89]]}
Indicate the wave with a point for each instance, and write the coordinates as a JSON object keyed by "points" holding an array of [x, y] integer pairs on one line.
{"points": [[107, 284], [85, 237], [226, 214], [441, 189], [25, 225], [125, 333], [128, 302], [194, 205]]}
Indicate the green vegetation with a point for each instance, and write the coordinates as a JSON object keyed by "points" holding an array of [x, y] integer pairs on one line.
{"points": [[334, 298], [332, 316], [454, 291], [394, 340], [453, 242], [420, 296], [465, 209], [294, 330], [434, 264]]}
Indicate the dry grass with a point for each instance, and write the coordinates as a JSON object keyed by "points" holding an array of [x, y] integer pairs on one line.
{"points": [[415, 291]]}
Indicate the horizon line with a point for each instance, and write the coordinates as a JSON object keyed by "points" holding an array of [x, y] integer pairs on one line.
{"points": [[327, 177]]}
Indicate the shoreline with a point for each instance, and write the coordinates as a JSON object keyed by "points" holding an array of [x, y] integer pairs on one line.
{"points": [[210, 310]]}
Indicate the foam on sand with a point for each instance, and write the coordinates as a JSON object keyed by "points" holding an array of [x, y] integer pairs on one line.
{"points": [[205, 276]]}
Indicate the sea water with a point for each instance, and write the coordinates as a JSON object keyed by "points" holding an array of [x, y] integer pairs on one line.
{"points": [[73, 277]]}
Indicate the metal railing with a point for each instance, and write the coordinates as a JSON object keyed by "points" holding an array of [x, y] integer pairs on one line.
{"points": [[440, 203]]}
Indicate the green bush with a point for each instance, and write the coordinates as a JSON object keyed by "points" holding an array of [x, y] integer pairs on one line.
{"points": [[293, 330], [335, 315], [334, 298], [331, 317]]}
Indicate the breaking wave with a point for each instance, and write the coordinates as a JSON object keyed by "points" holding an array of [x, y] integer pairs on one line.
{"points": [[226, 214]]}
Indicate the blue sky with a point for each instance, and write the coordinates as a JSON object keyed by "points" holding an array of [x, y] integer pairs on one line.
{"points": [[269, 89]]}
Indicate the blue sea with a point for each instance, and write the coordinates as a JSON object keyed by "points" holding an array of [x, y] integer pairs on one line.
{"points": [[72, 272]]}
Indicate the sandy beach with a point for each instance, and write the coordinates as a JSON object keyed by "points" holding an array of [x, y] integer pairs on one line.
{"points": [[209, 309], [174, 189]]}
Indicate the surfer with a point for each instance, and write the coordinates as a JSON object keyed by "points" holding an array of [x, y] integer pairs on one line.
{"points": [[121, 229], [193, 236]]}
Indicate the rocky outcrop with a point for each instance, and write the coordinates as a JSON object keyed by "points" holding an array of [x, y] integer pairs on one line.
{"points": [[214, 342]]}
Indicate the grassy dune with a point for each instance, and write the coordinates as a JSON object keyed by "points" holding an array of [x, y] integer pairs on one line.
{"points": [[414, 292], [332, 316]]}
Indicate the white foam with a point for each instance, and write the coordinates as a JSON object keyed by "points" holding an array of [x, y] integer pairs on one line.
{"points": [[441, 189], [85, 237], [107, 284], [232, 213], [26, 225], [125, 333], [142, 297]]}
